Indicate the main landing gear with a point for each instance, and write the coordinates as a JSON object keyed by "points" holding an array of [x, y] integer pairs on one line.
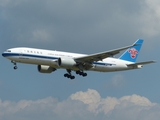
{"points": [[81, 73], [69, 75], [15, 64]]}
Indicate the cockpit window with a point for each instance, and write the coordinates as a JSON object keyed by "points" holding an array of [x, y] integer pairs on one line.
{"points": [[8, 50]]}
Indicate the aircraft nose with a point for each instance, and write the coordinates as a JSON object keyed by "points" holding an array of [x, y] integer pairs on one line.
{"points": [[3, 54]]}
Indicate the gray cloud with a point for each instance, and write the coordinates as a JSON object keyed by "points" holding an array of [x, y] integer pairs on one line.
{"points": [[72, 24], [82, 106]]}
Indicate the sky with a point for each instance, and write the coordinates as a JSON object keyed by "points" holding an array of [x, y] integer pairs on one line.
{"points": [[82, 27]]}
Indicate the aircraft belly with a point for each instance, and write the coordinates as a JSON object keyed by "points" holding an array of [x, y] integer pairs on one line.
{"points": [[111, 68], [28, 60], [33, 60], [99, 68], [14, 58]]}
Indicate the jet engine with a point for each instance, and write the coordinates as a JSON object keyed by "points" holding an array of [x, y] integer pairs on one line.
{"points": [[66, 62], [45, 69]]}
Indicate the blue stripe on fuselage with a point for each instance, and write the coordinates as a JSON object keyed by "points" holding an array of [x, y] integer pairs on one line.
{"points": [[6, 54], [27, 55], [103, 64]]}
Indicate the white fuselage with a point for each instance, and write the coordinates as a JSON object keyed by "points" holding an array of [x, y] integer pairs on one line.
{"points": [[49, 58]]}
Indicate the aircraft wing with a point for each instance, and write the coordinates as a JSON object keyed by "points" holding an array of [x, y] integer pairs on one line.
{"points": [[140, 63], [99, 56]]}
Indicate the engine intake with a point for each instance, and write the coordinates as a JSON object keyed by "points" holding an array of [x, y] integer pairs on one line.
{"points": [[45, 69]]}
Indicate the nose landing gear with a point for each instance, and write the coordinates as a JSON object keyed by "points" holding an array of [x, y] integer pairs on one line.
{"points": [[15, 65]]}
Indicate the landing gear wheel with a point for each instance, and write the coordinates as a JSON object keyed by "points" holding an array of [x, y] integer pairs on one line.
{"points": [[72, 77], [66, 75], [84, 74], [77, 72], [15, 67]]}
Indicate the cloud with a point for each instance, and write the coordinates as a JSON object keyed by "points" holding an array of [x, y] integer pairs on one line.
{"points": [[150, 17], [67, 23], [82, 106]]}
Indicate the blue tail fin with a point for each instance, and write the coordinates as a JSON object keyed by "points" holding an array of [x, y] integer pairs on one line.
{"points": [[131, 54]]}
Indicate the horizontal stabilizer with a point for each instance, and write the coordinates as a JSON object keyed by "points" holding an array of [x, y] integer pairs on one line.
{"points": [[140, 63]]}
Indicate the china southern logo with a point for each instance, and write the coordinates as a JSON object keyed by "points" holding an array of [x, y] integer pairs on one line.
{"points": [[133, 52]]}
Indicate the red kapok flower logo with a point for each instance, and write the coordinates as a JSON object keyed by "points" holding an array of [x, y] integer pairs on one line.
{"points": [[133, 52]]}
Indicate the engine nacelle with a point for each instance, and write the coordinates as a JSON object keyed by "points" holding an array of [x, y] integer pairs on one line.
{"points": [[45, 69], [66, 62]]}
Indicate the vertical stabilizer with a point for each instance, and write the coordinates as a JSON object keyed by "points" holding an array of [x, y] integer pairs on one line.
{"points": [[132, 53]]}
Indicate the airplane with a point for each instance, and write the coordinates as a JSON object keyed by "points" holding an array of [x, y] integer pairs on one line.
{"points": [[48, 61]]}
